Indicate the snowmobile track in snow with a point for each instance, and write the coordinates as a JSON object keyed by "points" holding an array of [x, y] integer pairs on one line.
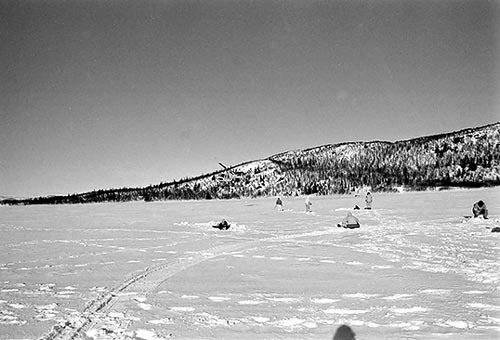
{"points": [[156, 276]]}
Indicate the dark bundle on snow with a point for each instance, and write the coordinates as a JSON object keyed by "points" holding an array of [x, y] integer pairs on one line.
{"points": [[223, 225], [344, 332]]}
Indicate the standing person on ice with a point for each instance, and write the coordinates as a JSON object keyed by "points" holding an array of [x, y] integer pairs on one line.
{"points": [[308, 204], [368, 200], [279, 204], [479, 209]]}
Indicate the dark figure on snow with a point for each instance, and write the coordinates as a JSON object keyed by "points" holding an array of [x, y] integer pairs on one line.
{"points": [[223, 225], [368, 200], [344, 333], [479, 209], [279, 204]]}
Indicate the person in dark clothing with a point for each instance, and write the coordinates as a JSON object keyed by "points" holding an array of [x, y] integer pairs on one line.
{"points": [[279, 204], [368, 200], [223, 225], [479, 209]]}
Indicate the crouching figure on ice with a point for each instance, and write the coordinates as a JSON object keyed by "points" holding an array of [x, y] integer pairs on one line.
{"points": [[479, 209], [350, 222], [223, 225]]}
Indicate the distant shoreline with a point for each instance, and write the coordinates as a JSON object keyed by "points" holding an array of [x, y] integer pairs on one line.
{"points": [[341, 196], [468, 158]]}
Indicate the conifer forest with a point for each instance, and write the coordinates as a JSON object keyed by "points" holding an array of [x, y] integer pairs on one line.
{"points": [[466, 158]]}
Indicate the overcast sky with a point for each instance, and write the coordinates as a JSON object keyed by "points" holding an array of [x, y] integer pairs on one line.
{"points": [[104, 94]]}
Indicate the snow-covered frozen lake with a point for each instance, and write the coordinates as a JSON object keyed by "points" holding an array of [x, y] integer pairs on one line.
{"points": [[416, 269]]}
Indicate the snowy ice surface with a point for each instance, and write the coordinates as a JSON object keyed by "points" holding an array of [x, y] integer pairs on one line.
{"points": [[416, 269]]}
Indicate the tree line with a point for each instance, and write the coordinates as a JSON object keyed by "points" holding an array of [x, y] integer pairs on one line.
{"points": [[467, 158]]}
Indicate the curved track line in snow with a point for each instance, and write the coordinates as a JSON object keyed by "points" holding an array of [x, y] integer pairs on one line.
{"points": [[156, 276]]}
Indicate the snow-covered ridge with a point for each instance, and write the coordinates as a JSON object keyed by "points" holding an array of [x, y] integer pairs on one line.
{"points": [[469, 157]]}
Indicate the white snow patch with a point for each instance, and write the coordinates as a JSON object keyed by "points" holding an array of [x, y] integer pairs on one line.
{"points": [[251, 302], [182, 309], [476, 292], [310, 324], [260, 319], [454, 323], [345, 311], [484, 306], [218, 298], [398, 297], [283, 299], [146, 334], [183, 223], [354, 263], [292, 322], [145, 306], [409, 310], [360, 295], [400, 325], [116, 315], [17, 305], [356, 323], [165, 321], [278, 258], [92, 333], [49, 306], [435, 291], [323, 300], [126, 293]]}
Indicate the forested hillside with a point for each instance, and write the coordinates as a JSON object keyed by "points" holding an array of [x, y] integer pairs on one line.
{"points": [[467, 158]]}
